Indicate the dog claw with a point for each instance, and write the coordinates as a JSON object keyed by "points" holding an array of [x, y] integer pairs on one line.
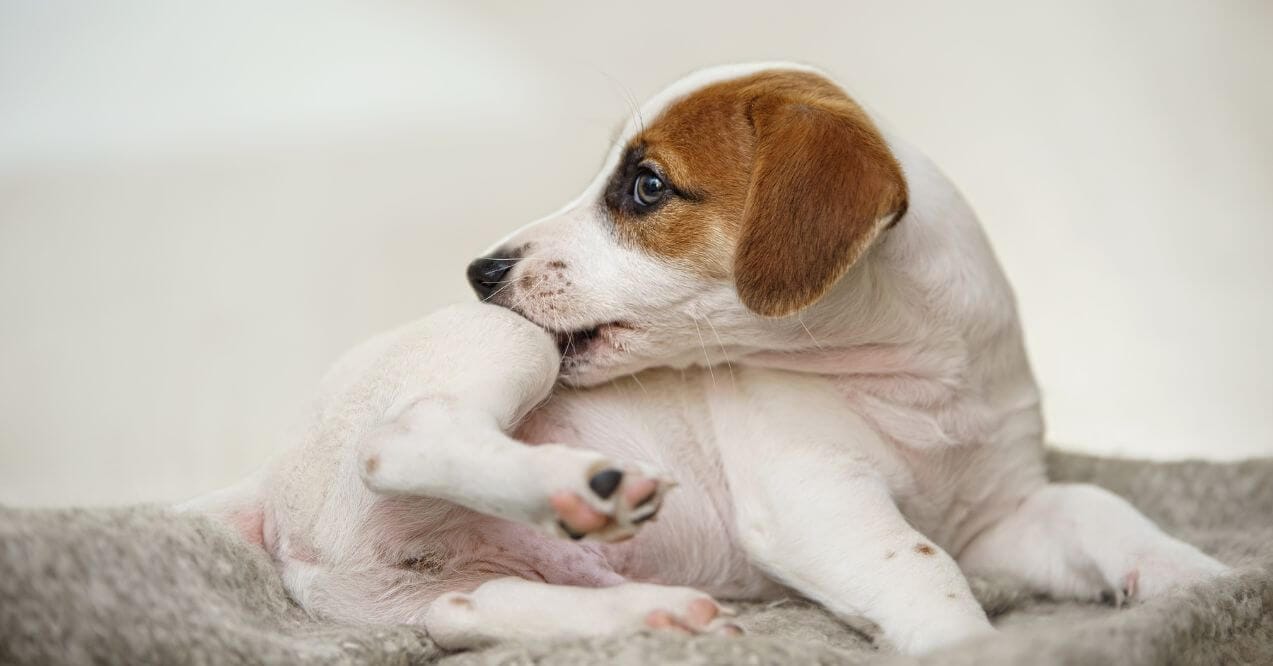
{"points": [[574, 536], [1131, 584], [628, 499]]}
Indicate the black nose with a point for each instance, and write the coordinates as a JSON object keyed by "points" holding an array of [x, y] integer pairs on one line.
{"points": [[486, 274]]}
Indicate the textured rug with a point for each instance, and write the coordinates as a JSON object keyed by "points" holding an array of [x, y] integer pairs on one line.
{"points": [[140, 585]]}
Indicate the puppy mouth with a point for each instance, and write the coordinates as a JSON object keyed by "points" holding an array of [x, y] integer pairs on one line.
{"points": [[576, 343]]}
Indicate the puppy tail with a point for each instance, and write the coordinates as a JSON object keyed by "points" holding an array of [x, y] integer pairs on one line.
{"points": [[241, 507]]}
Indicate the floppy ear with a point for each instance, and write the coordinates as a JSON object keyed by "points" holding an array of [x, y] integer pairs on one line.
{"points": [[823, 186]]}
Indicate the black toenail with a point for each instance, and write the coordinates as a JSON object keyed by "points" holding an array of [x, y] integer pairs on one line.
{"points": [[647, 499], [605, 482], [569, 532]]}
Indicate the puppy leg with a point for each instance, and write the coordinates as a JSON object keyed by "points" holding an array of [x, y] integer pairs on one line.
{"points": [[1080, 541], [436, 449], [814, 512], [508, 609], [467, 375], [835, 535], [468, 609]]}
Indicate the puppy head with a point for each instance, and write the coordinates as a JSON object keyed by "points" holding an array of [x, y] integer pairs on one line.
{"points": [[743, 198]]}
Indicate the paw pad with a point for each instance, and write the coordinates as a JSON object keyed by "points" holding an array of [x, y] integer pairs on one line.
{"points": [[613, 507], [605, 482], [702, 616]]}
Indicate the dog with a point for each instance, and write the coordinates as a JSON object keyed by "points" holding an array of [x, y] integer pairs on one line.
{"points": [[767, 351]]}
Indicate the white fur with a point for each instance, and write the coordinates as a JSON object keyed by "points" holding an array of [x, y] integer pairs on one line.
{"points": [[858, 453], [514, 609]]}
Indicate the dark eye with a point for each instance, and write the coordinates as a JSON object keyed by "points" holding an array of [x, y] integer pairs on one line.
{"points": [[648, 189]]}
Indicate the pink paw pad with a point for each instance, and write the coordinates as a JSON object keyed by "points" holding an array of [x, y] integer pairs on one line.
{"points": [[638, 501], [702, 616]]}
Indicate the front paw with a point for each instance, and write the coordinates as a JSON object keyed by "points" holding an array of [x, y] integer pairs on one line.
{"points": [[611, 502]]}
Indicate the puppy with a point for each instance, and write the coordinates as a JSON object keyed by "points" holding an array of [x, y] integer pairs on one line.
{"points": [[764, 300]]}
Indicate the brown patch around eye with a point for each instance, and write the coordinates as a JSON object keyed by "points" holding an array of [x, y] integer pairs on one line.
{"points": [[701, 148], [742, 205]]}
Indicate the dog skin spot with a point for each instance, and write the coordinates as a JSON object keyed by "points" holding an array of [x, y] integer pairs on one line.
{"points": [[372, 464], [557, 264], [460, 601], [950, 595], [889, 555], [924, 549], [430, 563]]}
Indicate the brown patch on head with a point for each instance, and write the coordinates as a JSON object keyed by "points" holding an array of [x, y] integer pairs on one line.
{"points": [[924, 549], [777, 179]]}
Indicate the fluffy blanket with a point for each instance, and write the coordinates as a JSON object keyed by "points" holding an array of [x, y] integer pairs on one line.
{"points": [[140, 585]]}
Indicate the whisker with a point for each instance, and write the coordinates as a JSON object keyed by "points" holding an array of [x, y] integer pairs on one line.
{"points": [[724, 353], [495, 293], [570, 346], [638, 383], [529, 292], [685, 400], [800, 318], [628, 98], [551, 394], [706, 356]]}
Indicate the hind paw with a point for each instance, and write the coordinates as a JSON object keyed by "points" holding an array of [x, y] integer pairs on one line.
{"points": [[612, 507]]}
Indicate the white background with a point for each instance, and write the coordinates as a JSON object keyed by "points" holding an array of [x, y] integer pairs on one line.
{"points": [[201, 206]]}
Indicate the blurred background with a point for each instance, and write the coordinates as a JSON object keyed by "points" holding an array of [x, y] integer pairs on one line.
{"points": [[202, 205]]}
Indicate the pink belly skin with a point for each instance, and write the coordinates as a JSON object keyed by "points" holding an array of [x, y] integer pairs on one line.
{"points": [[691, 542]]}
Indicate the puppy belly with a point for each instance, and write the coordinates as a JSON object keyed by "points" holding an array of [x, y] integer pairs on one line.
{"points": [[691, 546], [691, 542], [687, 545]]}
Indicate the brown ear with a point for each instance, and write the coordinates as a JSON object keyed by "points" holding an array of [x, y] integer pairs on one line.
{"points": [[823, 186]]}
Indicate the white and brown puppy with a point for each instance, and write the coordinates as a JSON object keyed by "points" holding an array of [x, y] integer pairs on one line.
{"points": [[764, 299]]}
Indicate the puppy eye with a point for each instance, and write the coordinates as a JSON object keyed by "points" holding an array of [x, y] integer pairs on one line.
{"points": [[648, 189]]}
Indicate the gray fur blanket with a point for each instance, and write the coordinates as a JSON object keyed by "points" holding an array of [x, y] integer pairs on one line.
{"points": [[140, 585]]}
